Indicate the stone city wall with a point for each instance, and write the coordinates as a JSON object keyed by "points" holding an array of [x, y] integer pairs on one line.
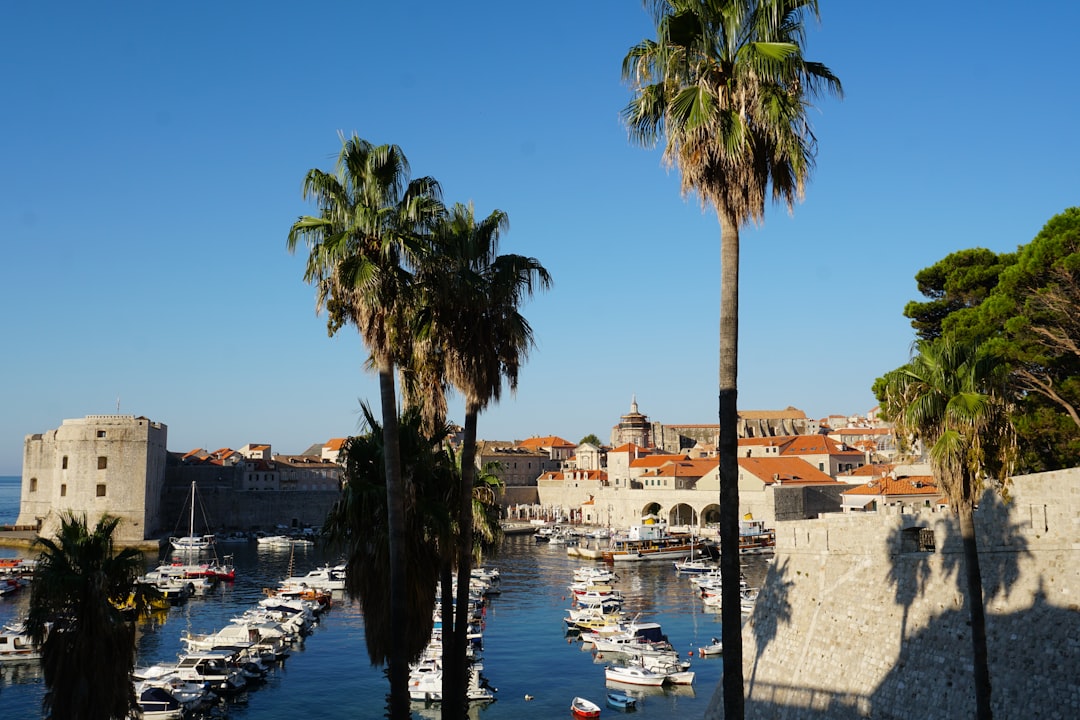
{"points": [[855, 621]]}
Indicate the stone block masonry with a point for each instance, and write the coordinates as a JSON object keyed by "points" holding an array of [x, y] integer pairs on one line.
{"points": [[864, 615]]}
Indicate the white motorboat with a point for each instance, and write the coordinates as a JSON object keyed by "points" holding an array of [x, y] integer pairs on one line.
{"points": [[157, 703], [274, 541], [680, 677], [15, 644], [425, 683], [326, 578], [633, 675], [716, 647], [192, 696], [212, 667], [594, 575]]}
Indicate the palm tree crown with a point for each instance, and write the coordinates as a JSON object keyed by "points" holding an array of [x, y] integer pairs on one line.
{"points": [[951, 398], [726, 84], [87, 645]]}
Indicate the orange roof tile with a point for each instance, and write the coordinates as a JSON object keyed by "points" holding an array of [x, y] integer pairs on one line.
{"points": [[653, 461], [787, 470], [685, 468], [334, 444], [630, 448], [551, 441], [888, 487], [815, 445]]}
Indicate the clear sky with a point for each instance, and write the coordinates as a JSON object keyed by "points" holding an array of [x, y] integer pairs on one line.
{"points": [[152, 154]]}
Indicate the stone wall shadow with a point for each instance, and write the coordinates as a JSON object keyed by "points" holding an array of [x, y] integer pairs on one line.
{"points": [[773, 595], [936, 681], [938, 675], [931, 676]]}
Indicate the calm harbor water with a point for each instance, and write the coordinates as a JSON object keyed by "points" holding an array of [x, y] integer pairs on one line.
{"points": [[526, 650]]}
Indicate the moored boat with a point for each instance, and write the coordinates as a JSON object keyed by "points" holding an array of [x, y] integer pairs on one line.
{"points": [[584, 708], [16, 645], [633, 675], [192, 542], [653, 542], [620, 700], [716, 647]]}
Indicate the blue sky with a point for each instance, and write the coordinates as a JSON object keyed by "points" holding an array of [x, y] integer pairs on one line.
{"points": [[152, 156]]}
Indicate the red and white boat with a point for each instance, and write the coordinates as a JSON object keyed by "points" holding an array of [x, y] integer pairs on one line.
{"points": [[583, 708]]}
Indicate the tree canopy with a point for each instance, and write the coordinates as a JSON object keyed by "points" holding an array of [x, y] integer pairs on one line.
{"points": [[1025, 306]]}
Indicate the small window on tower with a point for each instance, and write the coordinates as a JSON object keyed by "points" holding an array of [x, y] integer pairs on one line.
{"points": [[101, 490], [63, 490], [102, 462]]}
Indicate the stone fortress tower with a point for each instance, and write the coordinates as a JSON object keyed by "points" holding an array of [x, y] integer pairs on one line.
{"points": [[99, 464]]}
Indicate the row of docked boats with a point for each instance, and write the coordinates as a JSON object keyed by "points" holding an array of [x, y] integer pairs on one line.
{"points": [[217, 666], [710, 587], [640, 652], [183, 578], [426, 674]]}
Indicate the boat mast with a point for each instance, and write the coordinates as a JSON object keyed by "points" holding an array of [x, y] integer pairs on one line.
{"points": [[191, 524]]}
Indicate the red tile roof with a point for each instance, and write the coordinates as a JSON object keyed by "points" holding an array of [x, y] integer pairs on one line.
{"points": [[653, 461], [630, 448], [787, 470], [890, 487], [551, 441], [685, 468]]}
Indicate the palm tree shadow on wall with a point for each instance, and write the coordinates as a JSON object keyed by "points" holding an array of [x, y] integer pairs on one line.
{"points": [[917, 673], [1001, 548], [770, 610]]}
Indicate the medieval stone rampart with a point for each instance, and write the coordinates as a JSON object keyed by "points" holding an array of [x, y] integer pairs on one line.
{"points": [[864, 615]]}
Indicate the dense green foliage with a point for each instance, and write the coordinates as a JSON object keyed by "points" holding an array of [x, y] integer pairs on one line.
{"points": [[962, 280], [1026, 307], [591, 438], [87, 643]]}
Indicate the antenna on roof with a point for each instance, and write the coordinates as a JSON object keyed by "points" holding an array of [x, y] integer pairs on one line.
{"points": [[117, 404]]}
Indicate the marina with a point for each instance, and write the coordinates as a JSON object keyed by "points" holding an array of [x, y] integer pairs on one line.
{"points": [[525, 638]]}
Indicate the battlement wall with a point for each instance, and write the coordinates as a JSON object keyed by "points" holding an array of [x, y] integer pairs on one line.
{"points": [[863, 615]]}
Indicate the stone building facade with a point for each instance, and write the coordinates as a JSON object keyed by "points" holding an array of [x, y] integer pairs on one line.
{"points": [[99, 464], [865, 615], [119, 465]]}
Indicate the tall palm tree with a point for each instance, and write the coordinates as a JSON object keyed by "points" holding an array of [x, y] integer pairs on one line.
{"points": [[726, 87], [87, 644], [357, 524], [371, 223], [472, 314], [951, 398]]}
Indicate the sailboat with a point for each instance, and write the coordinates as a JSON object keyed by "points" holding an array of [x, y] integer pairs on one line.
{"points": [[192, 542]]}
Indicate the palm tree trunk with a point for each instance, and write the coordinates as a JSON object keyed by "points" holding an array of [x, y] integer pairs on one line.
{"points": [[977, 611], [731, 610], [465, 554], [398, 671]]}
